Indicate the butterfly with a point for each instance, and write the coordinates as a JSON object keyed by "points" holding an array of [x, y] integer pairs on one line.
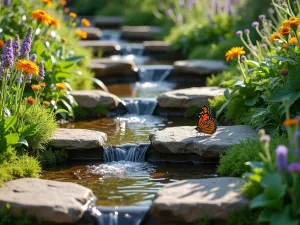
{"points": [[206, 123]]}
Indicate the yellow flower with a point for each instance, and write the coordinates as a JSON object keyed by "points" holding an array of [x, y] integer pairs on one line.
{"points": [[63, 2], [293, 41], [35, 87], [55, 22], [46, 103], [234, 52], [73, 15], [27, 67], [30, 100], [290, 122], [2, 43], [274, 36], [61, 86], [81, 33], [293, 22], [42, 16], [85, 22], [284, 30], [48, 3], [43, 84]]}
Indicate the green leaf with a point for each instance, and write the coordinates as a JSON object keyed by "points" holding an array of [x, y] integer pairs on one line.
{"points": [[227, 94], [282, 93], [62, 75], [254, 164], [74, 59], [265, 216], [252, 63], [284, 59], [27, 131], [12, 139], [61, 111], [250, 101], [100, 84], [283, 217], [9, 123]]}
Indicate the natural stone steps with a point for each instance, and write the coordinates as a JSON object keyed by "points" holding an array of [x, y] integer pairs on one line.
{"points": [[78, 139], [141, 33], [108, 21], [185, 98], [186, 140], [49, 201], [105, 47], [188, 201], [151, 47]]}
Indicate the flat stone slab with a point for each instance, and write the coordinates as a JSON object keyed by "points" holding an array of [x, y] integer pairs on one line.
{"points": [[185, 140], [104, 46], [78, 139], [156, 47], [107, 67], [184, 98], [93, 33], [198, 67], [140, 32], [191, 200], [93, 98], [49, 201], [108, 21]]}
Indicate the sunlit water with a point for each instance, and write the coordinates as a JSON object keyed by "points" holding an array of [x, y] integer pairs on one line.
{"points": [[128, 183]]}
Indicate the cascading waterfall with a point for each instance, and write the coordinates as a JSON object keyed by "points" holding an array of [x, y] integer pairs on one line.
{"points": [[131, 153], [154, 73], [140, 106], [132, 49]]}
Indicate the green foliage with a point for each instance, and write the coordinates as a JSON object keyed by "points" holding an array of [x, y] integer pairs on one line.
{"points": [[52, 157], [19, 167], [242, 217], [45, 124], [233, 162], [216, 103], [192, 111], [218, 79], [99, 111]]}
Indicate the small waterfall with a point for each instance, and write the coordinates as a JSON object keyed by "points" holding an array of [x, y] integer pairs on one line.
{"points": [[132, 49], [131, 153], [154, 73], [140, 106]]}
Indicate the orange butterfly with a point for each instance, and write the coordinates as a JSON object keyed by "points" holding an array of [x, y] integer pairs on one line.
{"points": [[206, 124]]}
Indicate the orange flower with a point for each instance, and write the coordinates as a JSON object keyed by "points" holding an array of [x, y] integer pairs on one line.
{"points": [[66, 10], [81, 33], [293, 22], [234, 52], [63, 2], [35, 87], [27, 66], [284, 30], [284, 45], [64, 39], [274, 36], [293, 41], [30, 100], [46, 103], [41, 15], [85, 22], [43, 84], [2, 43], [55, 22], [48, 3], [61, 86], [290, 122], [73, 15]]}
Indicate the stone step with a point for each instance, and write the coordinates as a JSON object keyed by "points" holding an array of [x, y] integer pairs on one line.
{"points": [[188, 201], [186, 140], [198, 67], [49, 201], [108, 21], [78, 139], [106, 47], [92, 98], [93, 33], [141, 33], [151, 47], [185, 98]]}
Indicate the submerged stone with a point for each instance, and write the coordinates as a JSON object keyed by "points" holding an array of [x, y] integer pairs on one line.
{"points": [[184, 98], [49, 201], [78, 139], [191, 200], [186, 140]]}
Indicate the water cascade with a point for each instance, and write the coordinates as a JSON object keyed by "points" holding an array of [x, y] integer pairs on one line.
{"points": [[131, 153], [154, 73], [140, 106]]}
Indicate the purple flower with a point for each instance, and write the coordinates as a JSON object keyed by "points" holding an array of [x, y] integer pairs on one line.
{"points": [[8, 55], [298, 118], [181, 3], [7, 3], [16, 46], [41, 75], [239, 33], [263, 45], [255, 24], [262, 17], [20, 79], [294, 167], [281, 157], [179, 17], [297, 151], [169, 12], [26, 44], [33, 58], [28, 78], [247, 31]]}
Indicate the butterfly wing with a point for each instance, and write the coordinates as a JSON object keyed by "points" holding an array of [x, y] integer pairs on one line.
{"points": [[205, 110], [209, 126]]}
